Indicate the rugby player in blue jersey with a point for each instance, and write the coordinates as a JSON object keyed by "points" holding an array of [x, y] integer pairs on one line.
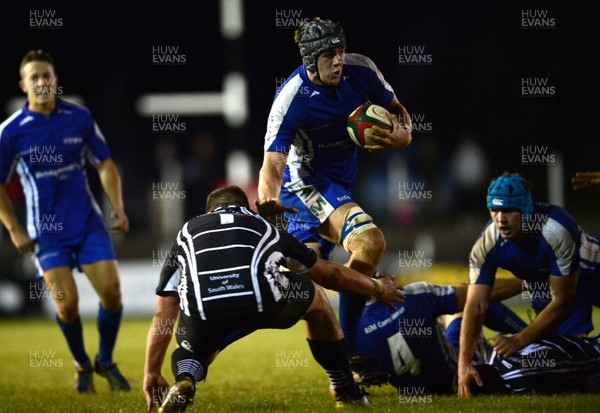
{"points": [[47, 142], [542, 245], [310, 164], [411, 344]]}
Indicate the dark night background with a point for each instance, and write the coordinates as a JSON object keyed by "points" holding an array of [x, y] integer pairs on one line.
{"points": [[480, 52]]}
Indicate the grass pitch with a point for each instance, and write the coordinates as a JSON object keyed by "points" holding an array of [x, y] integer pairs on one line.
{"points": [[269, 371]]}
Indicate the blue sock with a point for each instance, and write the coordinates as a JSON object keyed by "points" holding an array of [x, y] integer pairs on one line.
{"points": [[108, 327], [350, 310], [73, 332], [502, 319]]}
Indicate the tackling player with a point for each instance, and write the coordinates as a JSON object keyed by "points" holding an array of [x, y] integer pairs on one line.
{"points": [[310, 164], [48, 142], [542, 245], [231, 277]]}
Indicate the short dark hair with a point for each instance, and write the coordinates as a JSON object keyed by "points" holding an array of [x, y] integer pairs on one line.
{"points": [[38, 55], [229, 195]]}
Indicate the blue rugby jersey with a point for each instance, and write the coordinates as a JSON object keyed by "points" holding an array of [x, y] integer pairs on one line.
{"points": [[308, 122], [409, 343], [555, 245], [49, 154]]}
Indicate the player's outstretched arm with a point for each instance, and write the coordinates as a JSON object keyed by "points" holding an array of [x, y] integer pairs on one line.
{"points": [[563, 291], [344, 279], [111, 183], [20, 239], [157, 342], [269, 186], [478, 296], [586, 181]]}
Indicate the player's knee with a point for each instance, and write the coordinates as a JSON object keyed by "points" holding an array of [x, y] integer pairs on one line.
{"points": [[111, 297], [370, 243], [67, 310], [359, 232]]}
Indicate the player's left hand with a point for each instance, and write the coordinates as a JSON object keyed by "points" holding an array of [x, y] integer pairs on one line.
{"points": [[121, 225], [506, 346], [155, 388], [400, 137]]}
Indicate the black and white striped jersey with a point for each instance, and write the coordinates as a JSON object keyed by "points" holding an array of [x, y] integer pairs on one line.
{"points": [[226, 263], [550, 365]]}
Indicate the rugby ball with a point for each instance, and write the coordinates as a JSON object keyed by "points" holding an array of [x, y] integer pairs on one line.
{"points": [[361, 121]]}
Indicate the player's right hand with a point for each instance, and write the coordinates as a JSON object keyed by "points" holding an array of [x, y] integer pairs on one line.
{"points": [[467, 373], [392, 293], [22, 241], [271, 207], [121, 222], [155, 388]]}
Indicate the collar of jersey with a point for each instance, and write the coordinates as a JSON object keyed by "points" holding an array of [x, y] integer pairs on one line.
{"points": [[320, 88], [59, 104]]}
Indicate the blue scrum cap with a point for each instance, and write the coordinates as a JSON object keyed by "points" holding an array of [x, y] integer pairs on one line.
{"points": [[510, 191]]}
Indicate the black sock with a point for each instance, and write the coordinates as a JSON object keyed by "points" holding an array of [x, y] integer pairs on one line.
{"points": [[333, 357], [183, 363]]}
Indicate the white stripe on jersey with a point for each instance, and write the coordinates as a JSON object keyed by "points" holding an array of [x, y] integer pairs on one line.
{"points": [[297, 158], [422, 287], [98, 132], [91, 157], [589, 251], [242, 267], [2, 126], [182, 288], [225, 229], [31, 196], [218, 297], [561, 242], [261, 249], [191, 259], [280, 107], [173, 281], [8, 121], [480, 250], [224, 248]]}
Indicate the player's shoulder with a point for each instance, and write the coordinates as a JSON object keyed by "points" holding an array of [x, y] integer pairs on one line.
{"points": [[15, 120], [69, 108], [487, 240], [359, 60], [555, 223], [552, 211], [295, 84]]}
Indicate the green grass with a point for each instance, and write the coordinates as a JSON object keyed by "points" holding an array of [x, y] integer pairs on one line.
{"points": [[37, 376]]}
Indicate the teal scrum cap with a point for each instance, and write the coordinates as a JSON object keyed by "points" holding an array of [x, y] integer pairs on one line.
{"points": [[510, 191]]}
